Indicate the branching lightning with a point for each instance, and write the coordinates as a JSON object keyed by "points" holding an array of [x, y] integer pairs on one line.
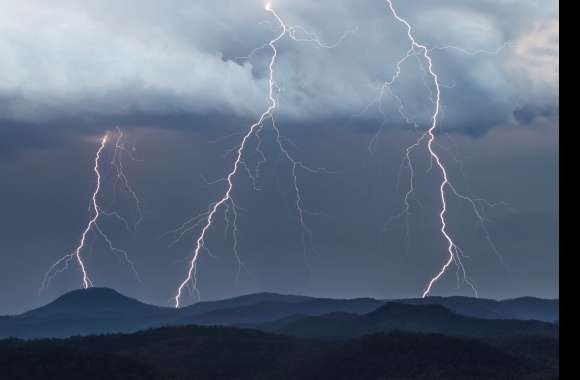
{"points": [[227, 201], [496, 51], [422, 54], [295, 31], [455, 254], [97, 212], [121, 178], [76, 255]]}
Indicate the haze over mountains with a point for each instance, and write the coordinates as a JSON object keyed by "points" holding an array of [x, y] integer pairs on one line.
{"points": [[100, 310]]}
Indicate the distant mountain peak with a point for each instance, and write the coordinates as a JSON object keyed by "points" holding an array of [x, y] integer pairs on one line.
{"points": [[92, 291], [85, 301], [93, 294], [104, 310]]}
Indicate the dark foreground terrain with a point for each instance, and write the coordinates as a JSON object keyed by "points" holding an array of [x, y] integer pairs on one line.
{"points": [[229, 353], [100, 334]]}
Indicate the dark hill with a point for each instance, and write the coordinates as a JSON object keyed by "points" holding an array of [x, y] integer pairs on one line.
{"points": [[415, 356], [418, 318], [273, 310], [94, 301], [240, 302], [99, 310], [518, 308], [228, 353], [85, 312]]}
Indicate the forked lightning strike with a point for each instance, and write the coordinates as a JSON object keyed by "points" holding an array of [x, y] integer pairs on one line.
{"points": [[455, 255], [118, 164], [416, 49], [95, 208], [97, 212], [227, 201]]}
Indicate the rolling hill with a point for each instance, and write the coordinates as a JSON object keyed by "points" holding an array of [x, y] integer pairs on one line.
{"points": [[517, 308], [229, 353], [394, 316], [100, 310]]}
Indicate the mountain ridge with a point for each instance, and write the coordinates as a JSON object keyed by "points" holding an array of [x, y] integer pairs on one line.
{"points": [[200, 353], [103, 310], [394, 316]]}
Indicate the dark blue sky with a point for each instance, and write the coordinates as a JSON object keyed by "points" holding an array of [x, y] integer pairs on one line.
{"points": [[168, 77]]}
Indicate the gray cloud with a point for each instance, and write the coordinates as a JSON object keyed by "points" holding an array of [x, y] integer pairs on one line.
{"points": [[113, 59]]}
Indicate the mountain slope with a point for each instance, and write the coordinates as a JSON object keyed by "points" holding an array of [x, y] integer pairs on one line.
{"points": [[418, 318], [228, 353], [415, 356], [274, 310], [84, 312], [240, 302], [518, 308], [99, 310], [93, 301]]}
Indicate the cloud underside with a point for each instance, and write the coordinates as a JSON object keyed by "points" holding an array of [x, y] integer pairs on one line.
{"points": [[114, 59]]}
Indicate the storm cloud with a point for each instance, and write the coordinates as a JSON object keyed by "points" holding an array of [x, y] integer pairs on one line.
{"points": [[172, 75], [70, 59]]}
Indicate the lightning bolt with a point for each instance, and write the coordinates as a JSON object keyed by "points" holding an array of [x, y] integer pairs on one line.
{"points": [[227, 201], [299, 33], [76, 255], [422, 53], [306, 232], [495, 51], [121, 179], [93, 225], [454, 252], [295, 30]]}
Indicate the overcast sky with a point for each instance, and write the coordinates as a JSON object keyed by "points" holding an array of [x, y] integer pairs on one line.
{"points": [[178, 77]]}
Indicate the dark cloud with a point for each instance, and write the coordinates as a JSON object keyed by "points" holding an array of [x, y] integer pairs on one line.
{"points": [[112, 59]]}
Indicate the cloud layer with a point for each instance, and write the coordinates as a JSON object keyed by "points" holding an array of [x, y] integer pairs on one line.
{"points": [[70, 59]]}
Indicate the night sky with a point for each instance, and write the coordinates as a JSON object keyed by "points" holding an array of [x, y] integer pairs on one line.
{"points": [[171, 75]]}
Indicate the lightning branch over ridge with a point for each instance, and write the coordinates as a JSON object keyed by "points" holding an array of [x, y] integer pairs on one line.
{"points": [[97, 212], [446, 187], [227, 201], [418, 51]]}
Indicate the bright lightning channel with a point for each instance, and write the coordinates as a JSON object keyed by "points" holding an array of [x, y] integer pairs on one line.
{"points": [[93, 225], [227, 201], [454, 252]]}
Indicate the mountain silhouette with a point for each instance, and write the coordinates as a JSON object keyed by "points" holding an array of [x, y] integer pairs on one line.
{"points": [[85, 312], [93, 301], [193, 352], [102, 310], [518, 308], [395, 316], [241, 301], [273, 310]]}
